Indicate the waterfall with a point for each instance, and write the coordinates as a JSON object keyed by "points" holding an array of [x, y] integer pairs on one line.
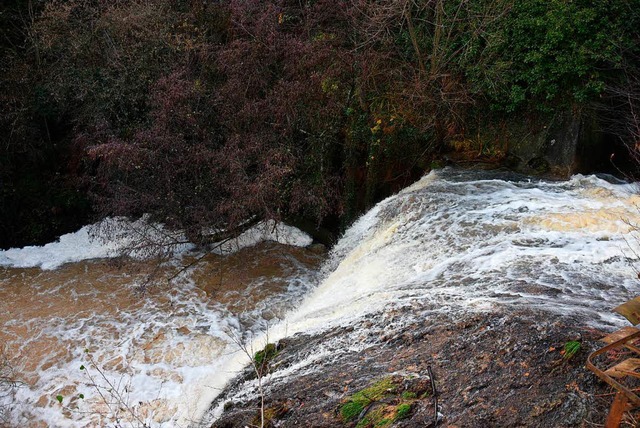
{"points": [[455, 241], [471, 241]]}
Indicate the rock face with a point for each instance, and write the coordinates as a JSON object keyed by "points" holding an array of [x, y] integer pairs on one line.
{"points": [[549, 148], [567, 143], [497, 369]]}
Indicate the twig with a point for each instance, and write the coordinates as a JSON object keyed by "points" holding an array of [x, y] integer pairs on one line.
{"points": [[114, 391], [434, 393], [259, 369]]}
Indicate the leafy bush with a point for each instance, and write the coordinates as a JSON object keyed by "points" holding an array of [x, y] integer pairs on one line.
{"points": [[210, 114], [541, 54]]}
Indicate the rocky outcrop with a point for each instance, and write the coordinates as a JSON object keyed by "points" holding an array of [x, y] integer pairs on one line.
{"points": [[567, 143], [497, 369]]}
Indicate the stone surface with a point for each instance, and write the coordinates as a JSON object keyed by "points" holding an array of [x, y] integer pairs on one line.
{"points": [[498, 369], [566, 143]]}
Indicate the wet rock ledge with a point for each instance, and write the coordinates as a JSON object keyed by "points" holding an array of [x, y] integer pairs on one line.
{"points": [[504, 368]]}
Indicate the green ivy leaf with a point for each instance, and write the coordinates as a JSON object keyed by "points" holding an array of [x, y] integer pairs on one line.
{"points": [[59, 398]]}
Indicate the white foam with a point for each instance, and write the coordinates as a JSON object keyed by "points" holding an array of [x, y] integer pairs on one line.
{"points": [[170, 373], [140, 239], [85, 244], [466, 240], [69, 248], [166, 352], [266, 231], [463, 241]]}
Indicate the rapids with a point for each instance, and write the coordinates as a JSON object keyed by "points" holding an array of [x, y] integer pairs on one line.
{"points": [[84, 332], [470, 240], [455, 240]]}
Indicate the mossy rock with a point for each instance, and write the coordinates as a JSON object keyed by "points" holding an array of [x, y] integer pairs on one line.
{"points": [[351, 410], [409, 395], [263, 359], [380, 404], [402, 411], [357, 402], [380, 417], [264, 356]]}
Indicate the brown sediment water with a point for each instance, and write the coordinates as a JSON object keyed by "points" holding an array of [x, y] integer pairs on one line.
{"points": [[86, 334]]}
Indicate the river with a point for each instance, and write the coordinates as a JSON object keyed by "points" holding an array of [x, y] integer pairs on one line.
{"points": [[91, 349]]}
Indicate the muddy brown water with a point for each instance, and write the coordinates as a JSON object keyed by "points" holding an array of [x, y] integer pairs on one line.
{"points": [[84, 329]]}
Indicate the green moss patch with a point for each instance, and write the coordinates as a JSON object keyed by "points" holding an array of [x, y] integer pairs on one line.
{"points": [[264, 356], [380, 404], [402, 411], [350, 411], [357, 402], [377, 418], [409, 395]]}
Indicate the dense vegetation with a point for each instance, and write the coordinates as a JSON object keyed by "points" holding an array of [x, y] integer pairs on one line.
{"points": [[213, 113]]}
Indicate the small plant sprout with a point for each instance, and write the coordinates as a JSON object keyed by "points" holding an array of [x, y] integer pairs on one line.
{"points": [[260, 361], [571, 348]]}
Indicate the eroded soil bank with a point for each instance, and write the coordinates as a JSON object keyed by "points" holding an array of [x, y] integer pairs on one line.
{"points": [[502, 368]]}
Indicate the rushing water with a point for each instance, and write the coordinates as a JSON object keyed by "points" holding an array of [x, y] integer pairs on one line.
{"points": [[475, 239], [463, 241], [84, 331]]}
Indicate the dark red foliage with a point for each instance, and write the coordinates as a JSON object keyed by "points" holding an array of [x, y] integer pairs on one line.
{"points": [[271, 120], [282, 102], [206, 115], [168, 168]]}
